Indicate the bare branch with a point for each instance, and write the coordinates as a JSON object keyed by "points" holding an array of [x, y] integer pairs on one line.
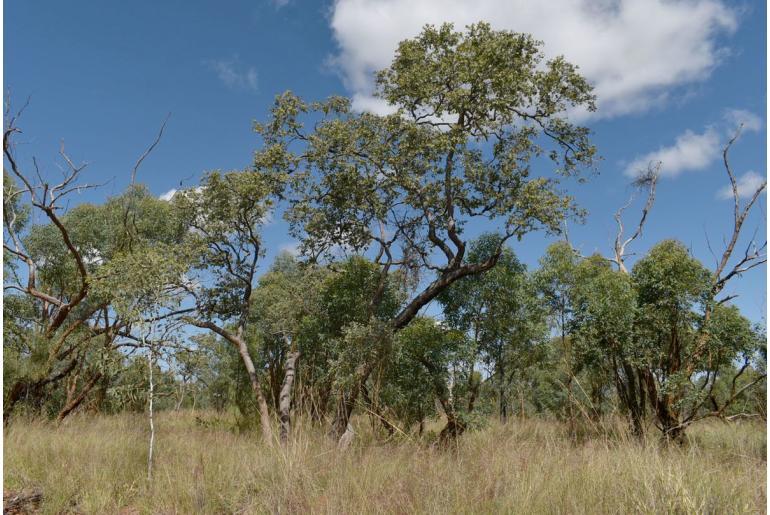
{"points": [[149, 149], [647, 180]]}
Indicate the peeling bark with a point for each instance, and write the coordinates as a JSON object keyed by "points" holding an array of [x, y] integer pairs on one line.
{"points": [[286, 395]]}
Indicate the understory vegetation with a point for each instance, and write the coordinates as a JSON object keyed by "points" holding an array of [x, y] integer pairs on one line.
{"points": [[97, 464]]}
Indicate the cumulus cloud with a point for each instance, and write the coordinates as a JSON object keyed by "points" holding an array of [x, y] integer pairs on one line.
{"points": [[233, 74], [168, 195], [737, 117], [747, 184], [695, 151], [691, 151], [634, 51]]}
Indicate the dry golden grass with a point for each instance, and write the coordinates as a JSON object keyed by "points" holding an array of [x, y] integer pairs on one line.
{"points": [[98, 465]]}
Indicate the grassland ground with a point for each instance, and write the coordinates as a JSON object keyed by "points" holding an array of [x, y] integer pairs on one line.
{"points": [[98, 464]]}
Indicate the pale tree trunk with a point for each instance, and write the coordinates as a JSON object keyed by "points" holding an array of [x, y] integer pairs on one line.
{"points": [[264, 414], [286, 391], [151, 395], [243, 350]]}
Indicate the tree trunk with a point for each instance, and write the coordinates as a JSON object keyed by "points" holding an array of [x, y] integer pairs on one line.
{"points": [[346, 403], [264, 414], [631, 390], [237, 340], [285, 398], [151, 396], [667, 416], [74, 403], [454, 427], [503, 401], [474, 392], [16, 393]]}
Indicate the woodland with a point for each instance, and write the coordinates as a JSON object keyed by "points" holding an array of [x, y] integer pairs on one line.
{"points": [[390, 335]]}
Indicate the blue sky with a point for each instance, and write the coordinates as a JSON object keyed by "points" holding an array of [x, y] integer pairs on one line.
{"points": [[672, 79]]}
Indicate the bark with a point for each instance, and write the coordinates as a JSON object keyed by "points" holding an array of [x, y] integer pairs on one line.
{"points": [[668, 417], [503, 400], [446, 279], [286, 394], [631, 390], [14, 395], [74, 403], [473, 388], [243, 350], [264, 414], [454, 427], [33, 390], [346, 403], [151, 395], [346, 438]]}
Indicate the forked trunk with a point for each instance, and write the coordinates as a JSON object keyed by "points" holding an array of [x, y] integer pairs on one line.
{"points": [[666, 413], [74, 403], [453, 428]]}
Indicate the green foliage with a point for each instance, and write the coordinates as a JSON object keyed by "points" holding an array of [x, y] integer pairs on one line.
{"points": [[604, 304], [501, 314], [473, 109], [222, 219]]}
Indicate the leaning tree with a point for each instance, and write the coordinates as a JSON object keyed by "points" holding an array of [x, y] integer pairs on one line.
{"points": [[223, 220], [472, 112]]}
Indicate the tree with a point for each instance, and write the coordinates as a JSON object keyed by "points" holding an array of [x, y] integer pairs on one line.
{"points": [[686, 339], [556, 280], [284, 301], [604, 311], [473, 111], [502, 316], [635, 381], [223, 218], [64, 280], [436, 350]]}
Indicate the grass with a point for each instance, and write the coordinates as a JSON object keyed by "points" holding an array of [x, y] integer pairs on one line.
{"points": [[97, 464]]}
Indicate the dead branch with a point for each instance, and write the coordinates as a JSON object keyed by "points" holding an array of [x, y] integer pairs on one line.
{"points": [[149, 149], [647, 180]]}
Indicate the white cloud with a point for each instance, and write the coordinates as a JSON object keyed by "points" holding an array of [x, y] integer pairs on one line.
{"points": [[736, 117], [280, 3], [168, 195], [233, 74], [292, 248], [748, 183], [690, 152], [634, 51]]}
